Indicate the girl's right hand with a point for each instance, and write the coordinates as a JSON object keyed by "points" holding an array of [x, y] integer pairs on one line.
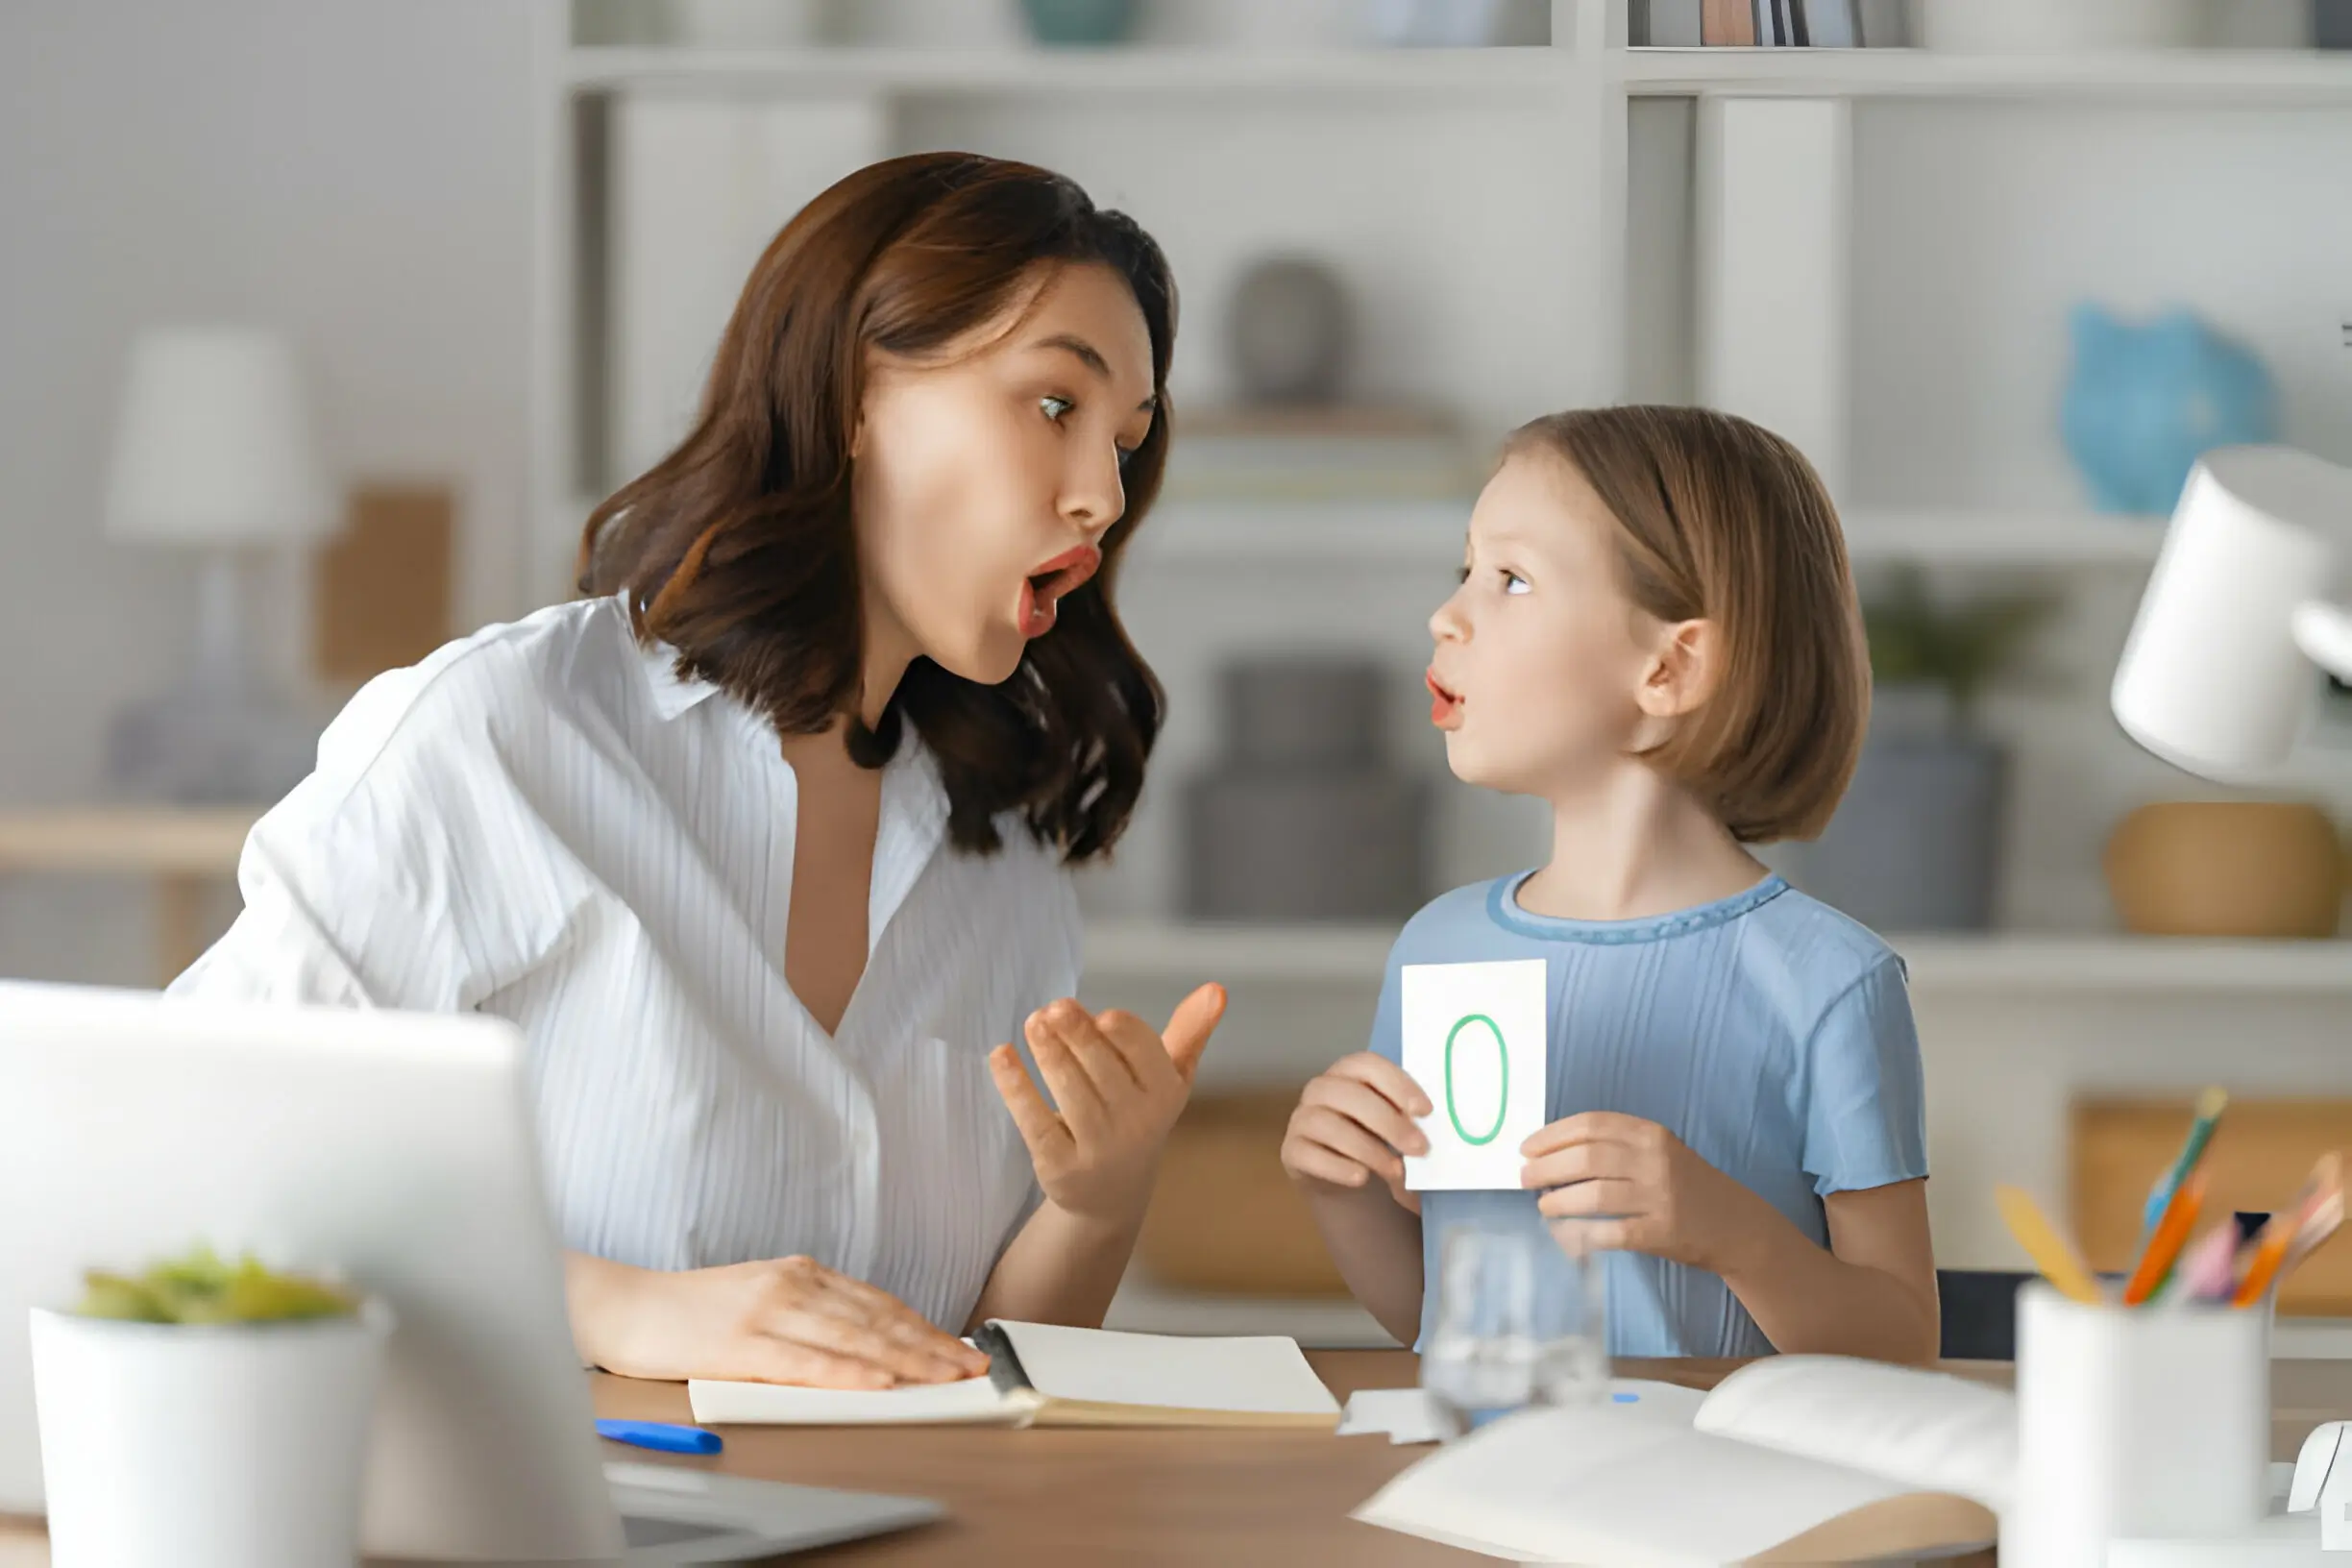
{"points": [[1354, 1123], [779, 1320]]}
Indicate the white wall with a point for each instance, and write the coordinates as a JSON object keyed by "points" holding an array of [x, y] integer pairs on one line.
{"points": [[357, 172]]}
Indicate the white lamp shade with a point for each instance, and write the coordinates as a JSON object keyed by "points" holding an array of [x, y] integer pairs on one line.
{"points": [[2216, 677], [215, 446]]}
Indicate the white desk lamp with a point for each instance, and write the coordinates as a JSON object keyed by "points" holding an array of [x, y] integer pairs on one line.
{"points": [[214, 453], [2214, 676]]}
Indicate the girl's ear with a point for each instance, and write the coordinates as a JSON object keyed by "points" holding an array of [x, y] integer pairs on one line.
{"points": [[1683, 670]]}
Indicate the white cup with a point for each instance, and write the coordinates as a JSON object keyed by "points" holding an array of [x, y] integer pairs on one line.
{"points": [[2143, 1422], [2214, 677], [204, 1446]]}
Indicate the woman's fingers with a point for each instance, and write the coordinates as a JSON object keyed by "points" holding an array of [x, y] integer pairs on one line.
{"points": [[1359, 1103], [1586, 1127], [1139, 1046], [1320, 1162], [1189, 1027], [1116, 1078], [1043, 1131], [858, 1338], [781, 1360], [1074, 1093]]}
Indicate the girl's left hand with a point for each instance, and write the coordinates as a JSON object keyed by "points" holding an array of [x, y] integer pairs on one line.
{"points": [[1620, 1183], [1117, 1085]]}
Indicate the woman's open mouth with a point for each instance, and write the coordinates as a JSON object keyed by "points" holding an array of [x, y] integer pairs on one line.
{"points": [[1044, 590], [1445, 706]]}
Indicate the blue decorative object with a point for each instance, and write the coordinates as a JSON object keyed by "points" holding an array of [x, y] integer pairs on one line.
{"points": [[2147, 400], [1079, 22]]}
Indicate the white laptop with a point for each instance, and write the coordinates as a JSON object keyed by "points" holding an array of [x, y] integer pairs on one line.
{"points": [[398, 1148]]}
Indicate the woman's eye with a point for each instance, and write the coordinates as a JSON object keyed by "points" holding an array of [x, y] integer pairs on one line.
{"points": [[1461, 573], [1055, 407], [1514, 584]]}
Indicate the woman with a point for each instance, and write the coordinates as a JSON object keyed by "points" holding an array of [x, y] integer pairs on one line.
{"points": [[763, 845]]}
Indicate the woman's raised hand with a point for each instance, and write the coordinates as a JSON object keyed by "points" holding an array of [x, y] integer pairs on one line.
{"points": [[1118, 1085]]}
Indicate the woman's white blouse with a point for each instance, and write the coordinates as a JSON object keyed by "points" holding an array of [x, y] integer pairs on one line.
{"points": [[542, 821]]}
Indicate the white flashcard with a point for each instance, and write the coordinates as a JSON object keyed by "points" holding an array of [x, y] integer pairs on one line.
{"points": [[1477, 1039]]}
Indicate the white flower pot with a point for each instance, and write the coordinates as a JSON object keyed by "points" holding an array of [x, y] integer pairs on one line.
{"points": [[2042, 26], [230, 1446]]}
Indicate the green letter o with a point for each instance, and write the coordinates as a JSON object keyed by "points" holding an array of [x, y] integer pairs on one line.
{"points": [[1501, 1097]]}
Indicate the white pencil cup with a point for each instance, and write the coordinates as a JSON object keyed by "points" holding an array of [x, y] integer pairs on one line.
{"points": [[2150, 1421], [224, 1446]]}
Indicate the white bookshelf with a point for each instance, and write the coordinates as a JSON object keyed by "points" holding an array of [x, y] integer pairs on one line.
{"points": [[1118, 71], [1221, 534], [2178, 79], [1354, 955]]}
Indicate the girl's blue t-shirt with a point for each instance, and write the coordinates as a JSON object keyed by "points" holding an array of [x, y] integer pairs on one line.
{"points": [[1767, 1031]]}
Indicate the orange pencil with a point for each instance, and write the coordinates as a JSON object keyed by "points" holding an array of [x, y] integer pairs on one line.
{"points": [[2164, 1245], [2281, 1229]]}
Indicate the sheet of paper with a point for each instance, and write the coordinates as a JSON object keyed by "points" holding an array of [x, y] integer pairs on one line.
{"points": [[1253, 1375], [1477, 1039]]}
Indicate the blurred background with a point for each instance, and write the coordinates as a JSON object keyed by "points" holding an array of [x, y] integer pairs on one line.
{"points": [[324, 323]]}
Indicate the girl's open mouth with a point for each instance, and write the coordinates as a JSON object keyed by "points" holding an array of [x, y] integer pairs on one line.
{"points": [[1445, 706], [1044, 588]]}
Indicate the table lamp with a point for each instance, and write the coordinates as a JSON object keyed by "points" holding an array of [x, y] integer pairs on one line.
{"points": [[2216, 677], [214, 454]]}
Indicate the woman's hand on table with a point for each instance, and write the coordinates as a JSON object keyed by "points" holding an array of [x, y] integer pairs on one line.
{"points": [[1355, 1123], [781, 1320], [1118, 1085]]}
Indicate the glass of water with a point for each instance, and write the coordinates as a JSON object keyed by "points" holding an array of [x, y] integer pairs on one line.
{"points": [[1519, 1323]]}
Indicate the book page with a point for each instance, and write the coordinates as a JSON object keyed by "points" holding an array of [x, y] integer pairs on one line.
{"points": [[1596, 1485], [974, 1401], [1923, 1429], [1251, 1376]]}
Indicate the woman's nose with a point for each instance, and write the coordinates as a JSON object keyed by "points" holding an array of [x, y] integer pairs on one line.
{"points": [[1092, 495]]}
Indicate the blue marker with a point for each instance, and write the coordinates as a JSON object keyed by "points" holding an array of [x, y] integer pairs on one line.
{"points": [[667, 1436]]}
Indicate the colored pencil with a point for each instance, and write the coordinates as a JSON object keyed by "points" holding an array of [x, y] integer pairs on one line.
{"points": [[2051, 1252], [2209, 1108], [2323, 1189], [2209, 1269], [2164, 1244]]}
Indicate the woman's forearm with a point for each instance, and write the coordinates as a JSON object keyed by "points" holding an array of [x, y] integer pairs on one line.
{"points": [[1061, 1268], [1808, 1301], [1377, 1245]]}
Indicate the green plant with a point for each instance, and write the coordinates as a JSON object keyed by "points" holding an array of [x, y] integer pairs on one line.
{"points": [[201, 1289], [1963, 648]]}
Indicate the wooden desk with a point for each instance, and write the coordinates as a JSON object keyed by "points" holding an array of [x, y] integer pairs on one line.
{"points": [[1035, 1497], [181, 848]]}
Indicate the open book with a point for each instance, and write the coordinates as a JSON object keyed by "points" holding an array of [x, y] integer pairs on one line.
{"points": [[1045, 1375], [1797, 1458]]}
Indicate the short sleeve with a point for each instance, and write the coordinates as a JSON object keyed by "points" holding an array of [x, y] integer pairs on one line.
{"points": [[1865, 1112], [1387, 1019]]}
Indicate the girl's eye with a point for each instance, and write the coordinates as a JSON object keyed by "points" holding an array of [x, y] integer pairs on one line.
{"points": [[1461, 573], [1055, 407], [1514, 584]]}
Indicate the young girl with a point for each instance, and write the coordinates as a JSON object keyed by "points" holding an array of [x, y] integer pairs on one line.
{"points": [[1656, 634]]}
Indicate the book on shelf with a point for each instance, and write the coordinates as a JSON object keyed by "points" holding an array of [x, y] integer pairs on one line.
{"points": [[1814, 24], [1319, 455]]}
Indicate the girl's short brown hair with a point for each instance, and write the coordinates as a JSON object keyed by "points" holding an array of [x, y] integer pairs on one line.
{"points": [[1723, 521], [738, 548]]}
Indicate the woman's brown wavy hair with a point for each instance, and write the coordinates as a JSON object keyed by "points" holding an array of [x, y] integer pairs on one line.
{"points": [[738, 549]]}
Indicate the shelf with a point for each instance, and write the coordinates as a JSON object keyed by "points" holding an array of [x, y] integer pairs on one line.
{"points": [[2258, 78], [1357, 955], [1430, 534], [985, 72]]}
